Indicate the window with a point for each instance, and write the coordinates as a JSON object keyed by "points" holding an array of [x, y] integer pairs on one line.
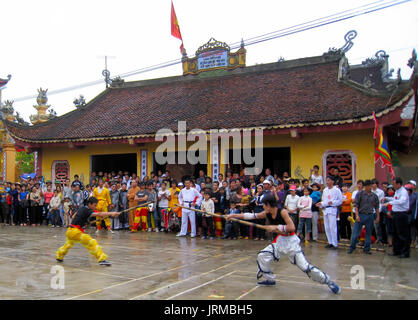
{"points": [[60, 170], [344, 161]]}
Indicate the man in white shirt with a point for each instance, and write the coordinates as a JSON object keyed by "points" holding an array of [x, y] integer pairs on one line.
{"points": [[187, 198], [401, 232], [332, 198]]}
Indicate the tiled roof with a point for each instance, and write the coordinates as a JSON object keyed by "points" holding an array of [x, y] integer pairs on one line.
{"points": [[266, 95]]}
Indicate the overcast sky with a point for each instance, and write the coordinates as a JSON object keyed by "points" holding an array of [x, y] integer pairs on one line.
{"points": [[57, 44]]}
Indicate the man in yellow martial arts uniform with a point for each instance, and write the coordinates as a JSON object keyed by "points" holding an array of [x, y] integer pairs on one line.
{"points": [[102, 194], [75, 232]]}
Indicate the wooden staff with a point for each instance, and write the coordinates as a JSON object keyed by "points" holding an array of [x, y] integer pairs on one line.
{"points": [[251, 224], [129, 209]]}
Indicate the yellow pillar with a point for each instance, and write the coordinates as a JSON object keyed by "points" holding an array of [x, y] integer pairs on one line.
{"points": [[10, 151]]}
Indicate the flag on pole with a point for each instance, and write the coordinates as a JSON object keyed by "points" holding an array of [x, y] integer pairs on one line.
{"points": [[381, 150], [175, 28]]}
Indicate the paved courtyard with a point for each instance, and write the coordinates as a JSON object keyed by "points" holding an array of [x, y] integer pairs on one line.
{"points": [[161, 266]]}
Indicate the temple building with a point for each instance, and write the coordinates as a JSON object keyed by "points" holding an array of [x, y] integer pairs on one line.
{"points": [[313, 110]]}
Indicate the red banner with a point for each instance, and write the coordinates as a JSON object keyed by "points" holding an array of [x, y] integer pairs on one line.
{"points": [[175, 28]]}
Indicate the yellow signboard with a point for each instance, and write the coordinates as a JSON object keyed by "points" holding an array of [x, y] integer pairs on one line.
{"points": [[214, 55]]}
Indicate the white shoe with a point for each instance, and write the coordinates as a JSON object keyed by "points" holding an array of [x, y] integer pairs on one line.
{"points": [[162, 230], [97, 231], [156, 230], [111, 231], [149, 230], [180, 235]]}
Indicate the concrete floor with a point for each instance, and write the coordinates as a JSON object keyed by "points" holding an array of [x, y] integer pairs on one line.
{"points": [[161, 266]]}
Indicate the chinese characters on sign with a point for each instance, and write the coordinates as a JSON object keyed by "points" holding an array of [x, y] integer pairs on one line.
{"points": [[212, 59], [144, 155]]}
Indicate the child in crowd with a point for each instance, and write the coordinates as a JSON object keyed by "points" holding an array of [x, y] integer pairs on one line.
{"points": [[47, 197], [231, 227], [152, 209], [344, 226], [207, 220], [244, 207], [316, 198], [164, 197], [23, 205], [67, 217], [199, 214], [387, 214], [305, 214], [54, 205], [258, 207]]}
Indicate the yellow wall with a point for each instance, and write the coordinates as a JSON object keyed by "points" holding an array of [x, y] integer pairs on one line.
{"points": [[308, 150], [305, 152], [79, 159]]}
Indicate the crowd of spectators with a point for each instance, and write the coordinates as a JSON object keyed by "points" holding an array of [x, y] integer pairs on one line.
{"points": [[370, 212]]}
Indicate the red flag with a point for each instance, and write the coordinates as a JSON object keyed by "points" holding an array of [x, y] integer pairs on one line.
{"points": [[382, 151], [175, 28]]}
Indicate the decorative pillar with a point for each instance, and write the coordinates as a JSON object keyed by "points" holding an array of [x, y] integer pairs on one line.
{"points": [[214, 150], [37, 162], [144, 163], [9, 162]]}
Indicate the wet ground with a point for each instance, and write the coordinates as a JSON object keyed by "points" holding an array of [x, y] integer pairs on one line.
{"points": [[161, 266]]}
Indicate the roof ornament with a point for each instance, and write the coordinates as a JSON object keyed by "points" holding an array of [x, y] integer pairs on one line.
{"points": [[350, 35], [7, 110], [3, 82], [20, 120], [79, 102], [184, 53], [212, 44], [8, 106], [52, 113], [380, 57], [412, 62], [117, 82], [42, 107]]}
